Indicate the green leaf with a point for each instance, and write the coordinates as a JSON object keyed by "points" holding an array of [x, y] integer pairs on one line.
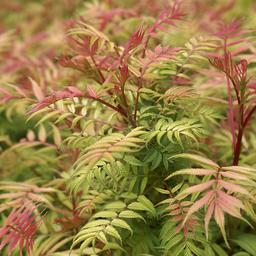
{"points": [[219, 250], [130, 215], [246, 242], [133, 160], [147, 203], [113, 232], [121, 223], [163, 191], [105, 214], [241, 254], [199, 159], [115, 205], [96, 223]]}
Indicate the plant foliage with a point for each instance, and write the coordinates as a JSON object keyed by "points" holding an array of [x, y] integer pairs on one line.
{"points": [[127, 128]]}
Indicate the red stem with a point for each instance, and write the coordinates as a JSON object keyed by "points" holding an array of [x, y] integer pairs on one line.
{"points": [[119, 110], [247, 119], [238, 146], [231, 113], [241, 132], [231, 108], [240, 135]]}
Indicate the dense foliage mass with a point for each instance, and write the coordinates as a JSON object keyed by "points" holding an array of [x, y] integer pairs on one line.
{"points": [[127, 128]]}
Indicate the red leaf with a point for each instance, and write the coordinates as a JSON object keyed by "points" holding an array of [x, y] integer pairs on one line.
{"points": [[19, 227], [69, 92], [124, 72], [83, 46], [134, 41], [168, 16], [236, 72], [229, 30], [252, 85], [108, 62]]}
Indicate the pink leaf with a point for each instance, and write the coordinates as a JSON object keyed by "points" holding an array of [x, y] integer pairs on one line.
{"points": [[91, 92], [19, 226], [208, 217], [124, 72], [37, 90], [228, 199], [159, 54], [199, 204], [219, 218], [252, 85], [134, 41], [229, 30], [233, 175], [230, 209], [69, 92], [199, 187], [233, 187], [167, 16]]}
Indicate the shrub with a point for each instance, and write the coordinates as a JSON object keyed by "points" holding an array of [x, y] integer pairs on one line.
{"points": [[134, 135]]}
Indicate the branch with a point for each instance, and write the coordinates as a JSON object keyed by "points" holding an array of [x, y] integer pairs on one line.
{"points": [[247, 119]]}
